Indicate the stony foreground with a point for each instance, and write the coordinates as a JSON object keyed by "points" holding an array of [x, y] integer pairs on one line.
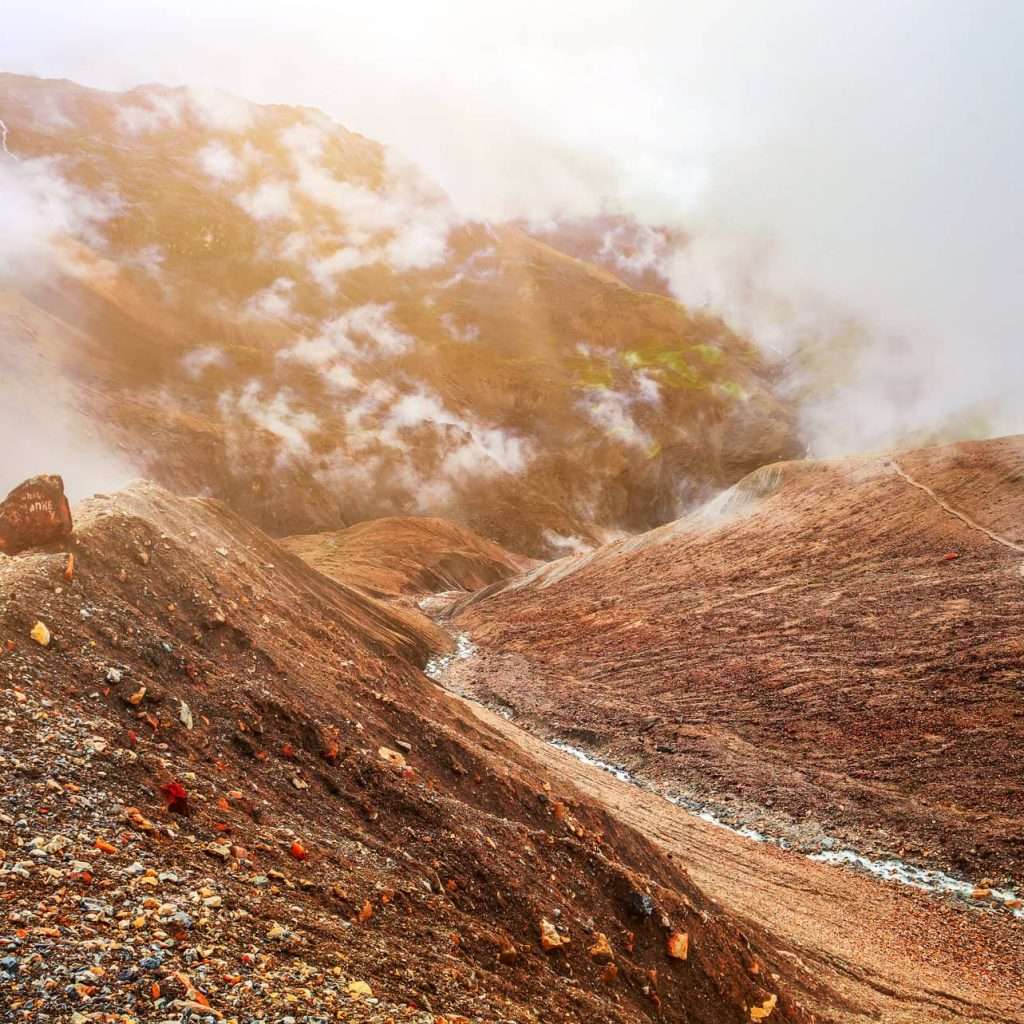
{"points": [[230, 795]]}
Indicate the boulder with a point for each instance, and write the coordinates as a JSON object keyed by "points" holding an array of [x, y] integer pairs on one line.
{"points": [[35, 512]]}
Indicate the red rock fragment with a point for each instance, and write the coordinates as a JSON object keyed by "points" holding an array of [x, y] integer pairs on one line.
{"points": [[35, 512], [601, 951], [136, 818], [176, 797], [549, 937], [678, 945], [764, 1010], [507, 952]]}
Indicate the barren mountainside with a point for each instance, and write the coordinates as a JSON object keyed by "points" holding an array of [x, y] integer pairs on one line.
{"points": [[458, 630], [827, 649], [231, 792], [260, 305], [411, 555]]}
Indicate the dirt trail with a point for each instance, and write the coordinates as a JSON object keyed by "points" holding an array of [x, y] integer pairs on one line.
{"points": [[962, 516], [889, 953]]}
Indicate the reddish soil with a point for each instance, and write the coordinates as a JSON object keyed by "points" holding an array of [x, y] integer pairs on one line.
{"points": [[406, 555], [879, 952], [229, 793], [830, 647]]}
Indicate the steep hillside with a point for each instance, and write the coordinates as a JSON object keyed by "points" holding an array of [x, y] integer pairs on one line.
{"points": [[635, 253], [405, 556], [829, 652], [256, 303], [229, 794]]}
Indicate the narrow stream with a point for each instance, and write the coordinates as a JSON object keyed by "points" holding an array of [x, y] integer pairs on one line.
{"points": [[889, 869]]}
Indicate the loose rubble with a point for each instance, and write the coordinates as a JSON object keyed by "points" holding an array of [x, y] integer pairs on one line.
{"points": [[162, 867]]}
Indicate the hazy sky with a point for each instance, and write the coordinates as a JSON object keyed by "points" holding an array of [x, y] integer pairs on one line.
{"points": [[826, 156]]}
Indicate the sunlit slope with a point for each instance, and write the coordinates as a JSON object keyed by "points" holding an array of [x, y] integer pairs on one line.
{"points": [[283, 313], [260, 736], [830, 645], [407, 555]]}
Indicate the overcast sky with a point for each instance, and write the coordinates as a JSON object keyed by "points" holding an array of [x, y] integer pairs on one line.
{"points": [[842, 156]]}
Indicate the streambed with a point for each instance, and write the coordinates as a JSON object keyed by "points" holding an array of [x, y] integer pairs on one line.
{"points": [[831, 850]]}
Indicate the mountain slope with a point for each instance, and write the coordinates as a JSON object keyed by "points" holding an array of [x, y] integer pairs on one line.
{"points": [[397, 556], [828, 649], [230, 793], [879, 952], [256, 303]]}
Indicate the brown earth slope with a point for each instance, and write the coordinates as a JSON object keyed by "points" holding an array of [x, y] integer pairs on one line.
{"points": [[882, 952], [407, 556], [229, 793], [829, 648], [261, 305]]}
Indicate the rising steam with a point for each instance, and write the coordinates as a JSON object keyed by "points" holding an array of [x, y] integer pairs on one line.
{"points": [[841, 180], [41, 427]]}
